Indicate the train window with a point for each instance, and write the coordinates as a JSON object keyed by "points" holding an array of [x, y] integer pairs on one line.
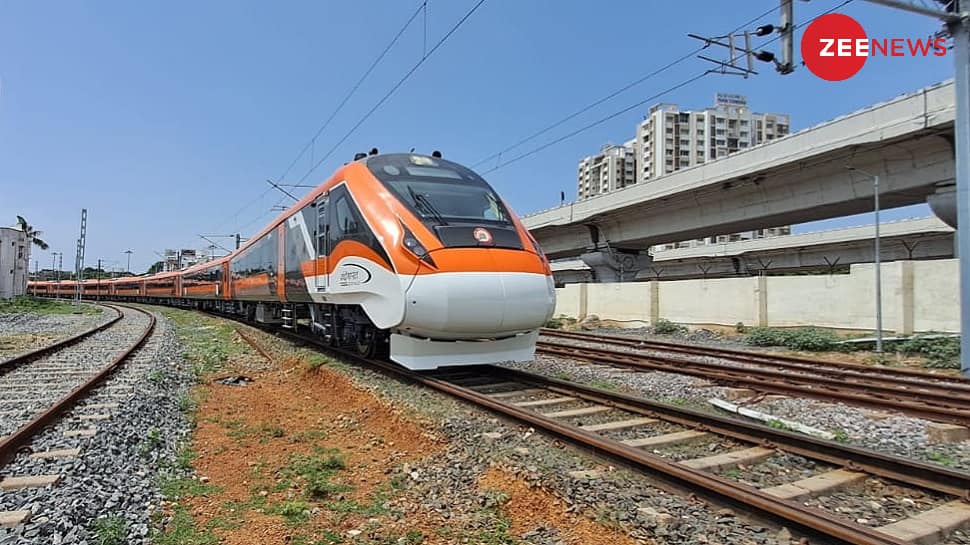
{"points": [[346, 223], [439, 191]]}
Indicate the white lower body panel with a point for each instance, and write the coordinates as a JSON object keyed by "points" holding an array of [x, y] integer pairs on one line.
{"points": [[421, 354]]}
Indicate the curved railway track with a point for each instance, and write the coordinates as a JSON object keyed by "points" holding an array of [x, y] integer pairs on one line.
{"points": [[592, 418], [925, 395], [39, 386]]}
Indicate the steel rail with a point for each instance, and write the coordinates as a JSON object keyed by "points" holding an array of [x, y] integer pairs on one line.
{"points": [[770, 381], [870, 381], [904, 375], [9, 364], [916, 473], [812, 520], [20, 438]]}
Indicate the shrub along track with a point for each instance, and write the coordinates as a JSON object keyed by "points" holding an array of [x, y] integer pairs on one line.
{"points": [[917, 393], [497, 389]]}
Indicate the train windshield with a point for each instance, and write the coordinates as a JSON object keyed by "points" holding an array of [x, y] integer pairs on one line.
{"points": [[439, 191]]}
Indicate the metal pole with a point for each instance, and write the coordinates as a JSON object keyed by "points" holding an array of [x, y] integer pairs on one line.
{"points": [[875, 197], [961, 123], [128, 268], [98, 289]]}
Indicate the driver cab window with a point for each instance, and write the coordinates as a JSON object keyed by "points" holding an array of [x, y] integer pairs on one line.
{"points": [[345, 222]]}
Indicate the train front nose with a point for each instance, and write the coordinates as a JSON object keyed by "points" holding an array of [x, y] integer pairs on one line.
{"points": [[468, 305]]}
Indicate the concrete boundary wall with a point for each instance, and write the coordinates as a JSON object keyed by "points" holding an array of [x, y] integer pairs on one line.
{"points": [[916, 296]]}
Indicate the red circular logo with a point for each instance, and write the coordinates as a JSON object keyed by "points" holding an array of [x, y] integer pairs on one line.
{"points": [[834, 47], [482, 235]]}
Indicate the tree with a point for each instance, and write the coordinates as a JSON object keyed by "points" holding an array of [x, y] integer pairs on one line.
{"points": [[157, 267], [32, 234]]}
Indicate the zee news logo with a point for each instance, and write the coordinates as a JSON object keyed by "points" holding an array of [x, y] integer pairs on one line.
{"points": [[835, 47]]}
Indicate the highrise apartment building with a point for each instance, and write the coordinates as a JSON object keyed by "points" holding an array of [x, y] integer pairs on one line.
{"points": [[670, 139], [612, 168]]}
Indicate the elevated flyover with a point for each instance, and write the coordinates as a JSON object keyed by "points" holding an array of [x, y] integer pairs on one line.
{"points": [[907, 141], [831, 250]]}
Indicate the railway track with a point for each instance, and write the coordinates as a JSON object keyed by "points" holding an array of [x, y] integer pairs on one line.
{"points": [[651, 436], [925, 395], [40, 387]]}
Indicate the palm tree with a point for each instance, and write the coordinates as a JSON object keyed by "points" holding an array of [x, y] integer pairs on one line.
{"points": [[32, 237], [32, 234]]}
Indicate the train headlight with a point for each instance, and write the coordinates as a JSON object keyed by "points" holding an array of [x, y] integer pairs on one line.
{"points": [[413, 245]]}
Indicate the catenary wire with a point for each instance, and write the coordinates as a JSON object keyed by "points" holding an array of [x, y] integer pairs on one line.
{"points": [[638, 104], [393, 89], [617, 92]]}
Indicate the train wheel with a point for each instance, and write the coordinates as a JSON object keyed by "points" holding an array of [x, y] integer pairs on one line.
{"points": [[367, 342]]}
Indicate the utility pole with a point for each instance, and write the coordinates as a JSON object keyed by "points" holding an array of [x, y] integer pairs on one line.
{"points": [[79, 260], [128, 267], [957, 20], [53, 262], [737, 51], [98, 292], [60, 266]]}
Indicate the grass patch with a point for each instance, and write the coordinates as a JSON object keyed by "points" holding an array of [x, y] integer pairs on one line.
{"points": [[209, 343], [317, 469], [498, 534], [603, 385], [23, 304], [182, 487], [942, 458], [940, 353], [841, 436], [181, 530], [293, 511], [110, 530], [151, 443], [666, 327], [779, 425], [809, 339]]}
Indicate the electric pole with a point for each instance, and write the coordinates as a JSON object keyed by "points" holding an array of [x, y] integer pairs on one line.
{"points": [[956, 17], [79, 260], [128, 267]]}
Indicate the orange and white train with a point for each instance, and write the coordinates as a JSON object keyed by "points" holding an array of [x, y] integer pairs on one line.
{"points": [[400, 255]]}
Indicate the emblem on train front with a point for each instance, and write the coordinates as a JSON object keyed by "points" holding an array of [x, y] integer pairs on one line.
{"points": [[482, 235]]}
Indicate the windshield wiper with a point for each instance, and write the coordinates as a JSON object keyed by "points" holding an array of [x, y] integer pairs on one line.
{"points": [[424, 204]]}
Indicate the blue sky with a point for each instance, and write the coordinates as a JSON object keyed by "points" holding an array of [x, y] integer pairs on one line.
{"points": [[165, 119]]}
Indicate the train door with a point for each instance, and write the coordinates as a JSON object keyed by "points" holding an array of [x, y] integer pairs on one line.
{"points": [[321, 276]]}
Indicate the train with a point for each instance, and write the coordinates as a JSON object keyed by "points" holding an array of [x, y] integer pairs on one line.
{"points": [[403, 256]]}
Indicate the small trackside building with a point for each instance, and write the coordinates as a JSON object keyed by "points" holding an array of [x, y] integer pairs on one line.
{"points": [[14, 257]]}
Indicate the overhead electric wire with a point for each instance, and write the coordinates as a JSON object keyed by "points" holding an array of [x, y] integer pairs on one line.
{"points": [[639, 103], [393, 89], [422, 7], [617, 92]]}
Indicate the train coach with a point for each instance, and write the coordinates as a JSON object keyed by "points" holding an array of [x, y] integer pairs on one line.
{"points": [[407, 256]]}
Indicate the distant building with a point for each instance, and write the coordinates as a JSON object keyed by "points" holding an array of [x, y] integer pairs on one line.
{"points": [[14, 262], [614, 167], [175, 260], [670, 139]]}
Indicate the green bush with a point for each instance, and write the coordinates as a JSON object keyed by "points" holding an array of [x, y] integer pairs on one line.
{"points": [[808, 338], [766, 336], [666, 327], [813, 340], [943, 352], [740, 327], [560, 321]]}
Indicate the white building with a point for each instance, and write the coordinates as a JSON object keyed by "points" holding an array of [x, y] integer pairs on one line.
{"points": [[670, 139], [614, 167], [14, 262]]}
